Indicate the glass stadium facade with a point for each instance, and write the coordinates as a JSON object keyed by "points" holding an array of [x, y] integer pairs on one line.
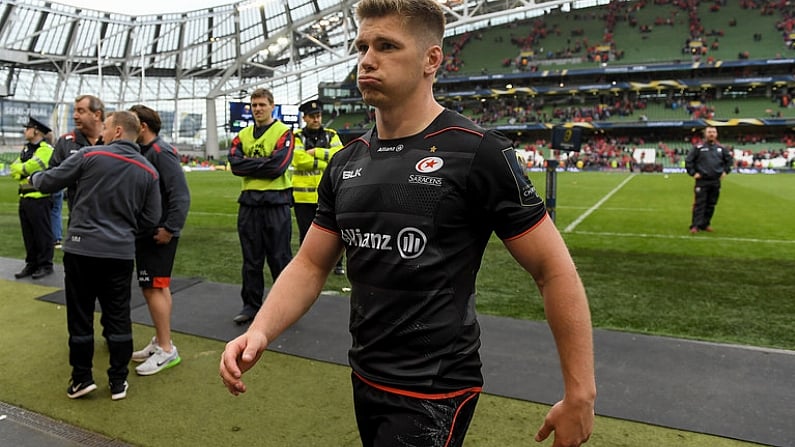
{"points": [[190, 65]]}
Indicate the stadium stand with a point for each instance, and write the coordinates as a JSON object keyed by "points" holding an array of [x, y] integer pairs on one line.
{"points": [[630, 73]]}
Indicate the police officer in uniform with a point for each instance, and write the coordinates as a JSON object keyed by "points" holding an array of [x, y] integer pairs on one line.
{"points": [[708, 162], [314, 146], [261, 155], [34, 206]]}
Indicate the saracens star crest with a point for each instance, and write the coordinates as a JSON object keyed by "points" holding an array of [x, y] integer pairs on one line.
{"points": [[429, 164]]}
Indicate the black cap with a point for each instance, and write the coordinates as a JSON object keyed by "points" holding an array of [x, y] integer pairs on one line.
{"points": [[310, 107], [38, 125]]}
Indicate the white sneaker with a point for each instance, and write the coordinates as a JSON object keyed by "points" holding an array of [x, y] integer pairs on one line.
{"points": [[146, 352], [159, 361]]}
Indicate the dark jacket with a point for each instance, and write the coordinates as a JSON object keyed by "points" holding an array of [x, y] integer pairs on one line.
{"points": [[174, 192], [710, 160], [117, 192]]}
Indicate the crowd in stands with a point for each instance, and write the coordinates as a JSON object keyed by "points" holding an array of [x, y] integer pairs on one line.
{"points": [[528, 35]]}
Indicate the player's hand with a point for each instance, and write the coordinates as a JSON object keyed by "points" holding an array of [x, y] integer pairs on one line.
{"points": [[162, 236], [571, 422], [697, 175], [238, 357]]}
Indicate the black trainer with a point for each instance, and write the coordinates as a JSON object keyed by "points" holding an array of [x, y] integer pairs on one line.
{"points": [[118, 389], [42, 272], [243, 318], [25, 272], [76, 390]]}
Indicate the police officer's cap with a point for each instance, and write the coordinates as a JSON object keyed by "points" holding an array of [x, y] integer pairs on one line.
{"points": [[38, 125], [311, 107]]}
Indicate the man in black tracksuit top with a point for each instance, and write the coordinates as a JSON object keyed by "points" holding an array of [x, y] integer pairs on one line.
{"points": [[116, 193], [88, 115], [708, 163]]}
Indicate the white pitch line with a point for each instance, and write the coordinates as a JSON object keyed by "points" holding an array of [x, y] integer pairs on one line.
{"points": [[604, 199], [688, 236]]}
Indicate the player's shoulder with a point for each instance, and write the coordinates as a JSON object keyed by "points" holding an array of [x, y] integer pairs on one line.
{"points": [[454, 130], [453, 122]]}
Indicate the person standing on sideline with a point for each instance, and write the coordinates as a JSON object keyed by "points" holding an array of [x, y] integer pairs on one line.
{"points": [[88, 115], [414, 203], [314, 146], [708, 162], [34, 205], [261, 154], [116, 193], [156, 248]]}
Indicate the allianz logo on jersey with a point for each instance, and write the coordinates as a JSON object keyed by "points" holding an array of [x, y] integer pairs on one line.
{"points": [[397, 148], [410, 242]]}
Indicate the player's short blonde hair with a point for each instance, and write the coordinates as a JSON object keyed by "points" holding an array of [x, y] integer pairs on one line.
{"points": [[425, 17]]}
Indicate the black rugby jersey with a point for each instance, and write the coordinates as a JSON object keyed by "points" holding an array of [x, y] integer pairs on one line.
{"points": [[415, 215]]}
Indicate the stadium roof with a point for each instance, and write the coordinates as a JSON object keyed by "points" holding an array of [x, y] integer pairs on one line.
{"points": [[232, 46]]}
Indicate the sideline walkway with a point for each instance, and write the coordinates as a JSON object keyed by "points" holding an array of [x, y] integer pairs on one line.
{"points": [[732, 391]]}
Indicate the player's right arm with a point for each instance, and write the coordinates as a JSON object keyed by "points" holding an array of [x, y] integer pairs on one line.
{"points": [[293, 293]]}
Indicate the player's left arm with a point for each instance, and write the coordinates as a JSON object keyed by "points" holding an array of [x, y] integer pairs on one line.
{"points": [[543, 253]]}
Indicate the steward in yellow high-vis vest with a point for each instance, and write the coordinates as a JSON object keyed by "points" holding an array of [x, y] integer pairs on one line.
{"points": [[261, 155], [35, 207]]}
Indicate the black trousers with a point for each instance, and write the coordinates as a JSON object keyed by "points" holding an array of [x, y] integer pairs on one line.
{"points": [[388, 419], [88, 279], [35, 219], [304, 215], [264, 233], [706, 194]]}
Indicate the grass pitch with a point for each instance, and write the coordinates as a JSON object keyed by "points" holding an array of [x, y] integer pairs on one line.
{"points": [[628, 234]]}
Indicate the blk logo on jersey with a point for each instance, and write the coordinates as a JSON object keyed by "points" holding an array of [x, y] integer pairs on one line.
{"points": [[429, 164], [346, 175]]}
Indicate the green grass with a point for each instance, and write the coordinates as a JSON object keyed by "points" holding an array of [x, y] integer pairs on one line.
{"points": [[290, 402], [643, 271]]}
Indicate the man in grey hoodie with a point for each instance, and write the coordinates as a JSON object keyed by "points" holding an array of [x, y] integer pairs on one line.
{"points": [[116, 192]]}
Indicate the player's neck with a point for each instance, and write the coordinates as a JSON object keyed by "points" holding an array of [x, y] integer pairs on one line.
{"points": [[406, 120]]}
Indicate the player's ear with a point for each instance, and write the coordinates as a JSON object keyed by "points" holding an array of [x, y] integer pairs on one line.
{"points": [[433, 59]]}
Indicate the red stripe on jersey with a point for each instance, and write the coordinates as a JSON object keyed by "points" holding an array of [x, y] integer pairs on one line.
{"points": [[125, 159], [327, 230], [416, 395], [285, 144], [546, 215], [446, 129]]}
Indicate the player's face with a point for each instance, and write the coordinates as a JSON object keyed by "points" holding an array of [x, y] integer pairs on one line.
{"points": [[313, 120], [390, 64], [85, 119], [262, 109], [109, 131], [711, 134]]}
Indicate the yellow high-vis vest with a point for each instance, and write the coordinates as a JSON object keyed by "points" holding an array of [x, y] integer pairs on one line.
{"points": [[21, 170], [263, 147], [309, 169]]}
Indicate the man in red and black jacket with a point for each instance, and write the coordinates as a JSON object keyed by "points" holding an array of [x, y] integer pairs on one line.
{"points": [[88, 115]]}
